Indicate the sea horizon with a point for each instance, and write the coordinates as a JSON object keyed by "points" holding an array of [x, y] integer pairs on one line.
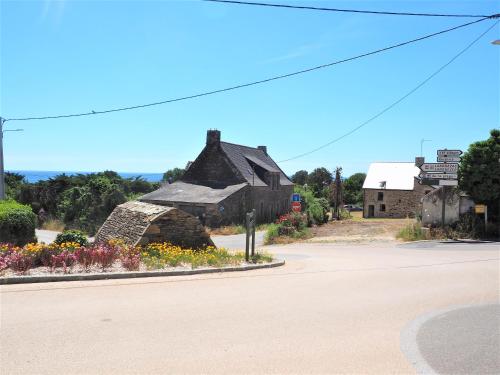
{"points": [[35, 176]]}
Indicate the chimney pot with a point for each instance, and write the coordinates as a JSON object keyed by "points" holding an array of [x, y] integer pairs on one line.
{"points": [[263, 148]]}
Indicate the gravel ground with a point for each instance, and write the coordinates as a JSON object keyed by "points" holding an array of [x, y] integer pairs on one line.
{"points": [[359, 230]]}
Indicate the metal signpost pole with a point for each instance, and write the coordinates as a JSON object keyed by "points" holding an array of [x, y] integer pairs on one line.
{"points": [[443, 213]]}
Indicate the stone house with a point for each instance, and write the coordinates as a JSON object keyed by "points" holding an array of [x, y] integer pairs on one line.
{"points": [[392, 190], [225, 182]]}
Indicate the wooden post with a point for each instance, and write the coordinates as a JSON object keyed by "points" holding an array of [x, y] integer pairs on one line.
{"points": [[247, 243], [254, 215]]}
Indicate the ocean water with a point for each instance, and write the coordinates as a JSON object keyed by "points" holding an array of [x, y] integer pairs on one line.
{"points": [[34, 176]]}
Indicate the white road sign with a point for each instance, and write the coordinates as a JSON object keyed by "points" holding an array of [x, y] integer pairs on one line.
{"points": [[439, 176], [448, 159], [440, 167], [449, 152], [448, 182]]}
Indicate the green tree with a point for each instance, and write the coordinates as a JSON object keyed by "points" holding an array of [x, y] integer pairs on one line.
{"points": [[300, 177], [353, 188], [175, 174], [479, 173], [13, 183], [319, 180]]}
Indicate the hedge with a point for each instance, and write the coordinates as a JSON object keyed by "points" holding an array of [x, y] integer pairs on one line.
{"points": [[17, 223]]}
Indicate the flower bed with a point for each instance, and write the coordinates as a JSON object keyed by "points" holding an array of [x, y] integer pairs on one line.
{"points": [[114, 256]]}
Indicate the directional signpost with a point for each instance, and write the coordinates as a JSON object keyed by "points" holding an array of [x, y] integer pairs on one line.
{"points": [[443, 173], [439, 176], [440, 167], [449, 156]]}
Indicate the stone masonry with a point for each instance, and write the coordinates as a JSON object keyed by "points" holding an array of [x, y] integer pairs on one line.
{"points": [[394, 203], [140, 223]]}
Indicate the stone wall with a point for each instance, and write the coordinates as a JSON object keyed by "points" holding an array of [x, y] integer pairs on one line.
{"points": [[271, 203], [456, 204], [398, 203], [139, 223]]}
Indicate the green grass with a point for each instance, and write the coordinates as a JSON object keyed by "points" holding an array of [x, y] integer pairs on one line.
{"points": [[262, 257], [272, 235], [411, 232]]}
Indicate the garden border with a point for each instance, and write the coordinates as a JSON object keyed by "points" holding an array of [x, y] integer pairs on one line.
{"points": [[134, 274]]}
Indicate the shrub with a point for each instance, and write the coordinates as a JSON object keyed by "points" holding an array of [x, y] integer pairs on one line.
{"points": [[316, 209], [411, 232], [72, 236], [17, 223], [272, 233], [85, 257], [291, 225]]}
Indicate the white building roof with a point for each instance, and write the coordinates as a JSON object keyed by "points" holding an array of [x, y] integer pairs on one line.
{"points": [[391, 176]]}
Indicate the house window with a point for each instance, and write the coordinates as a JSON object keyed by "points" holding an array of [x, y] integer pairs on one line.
{"points": [[382, 208], [380, 196]]}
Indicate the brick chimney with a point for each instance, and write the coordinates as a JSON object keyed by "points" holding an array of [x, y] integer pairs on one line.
{"points": [[263, 148], [213, 137]]}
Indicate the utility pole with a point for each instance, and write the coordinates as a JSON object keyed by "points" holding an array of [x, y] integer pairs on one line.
{"points": [[422, 145], [338, 187], [2, 172]]}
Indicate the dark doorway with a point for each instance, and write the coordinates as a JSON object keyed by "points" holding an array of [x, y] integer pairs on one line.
{"points": [[371, 210]]}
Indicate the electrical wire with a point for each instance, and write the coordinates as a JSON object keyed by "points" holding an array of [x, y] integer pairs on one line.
{"points": [[347, 10], [250, 83], [389, 107]]}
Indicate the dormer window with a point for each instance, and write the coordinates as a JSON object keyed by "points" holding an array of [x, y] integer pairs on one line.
{"points": [[383, 184]]}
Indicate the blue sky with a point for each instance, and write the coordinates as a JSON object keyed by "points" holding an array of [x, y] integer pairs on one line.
{"points": [[78, 56]]}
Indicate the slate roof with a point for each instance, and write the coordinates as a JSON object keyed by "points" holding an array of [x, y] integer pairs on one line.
{"points": [[396, 176], [183, 192], [240, 155]]}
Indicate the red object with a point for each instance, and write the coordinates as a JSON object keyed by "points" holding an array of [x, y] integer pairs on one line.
{"points": [[296, 206]]}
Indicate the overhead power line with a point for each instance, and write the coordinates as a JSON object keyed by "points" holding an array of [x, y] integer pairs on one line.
{"points": [[394, 104], [348, 10], [254, 83]]}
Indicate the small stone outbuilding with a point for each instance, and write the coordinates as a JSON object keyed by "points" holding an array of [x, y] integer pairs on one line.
{"points": [[457, 203], [140, 223]]}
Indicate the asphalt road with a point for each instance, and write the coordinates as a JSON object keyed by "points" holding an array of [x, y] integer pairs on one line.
{"points": [[462, 341], [331, 309]]}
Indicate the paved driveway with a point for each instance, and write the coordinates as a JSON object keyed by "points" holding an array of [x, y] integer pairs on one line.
{"points": [[330, 309]]}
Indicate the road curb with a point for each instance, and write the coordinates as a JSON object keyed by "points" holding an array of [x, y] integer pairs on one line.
{"points": [[133, 274], [459, 240]]}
